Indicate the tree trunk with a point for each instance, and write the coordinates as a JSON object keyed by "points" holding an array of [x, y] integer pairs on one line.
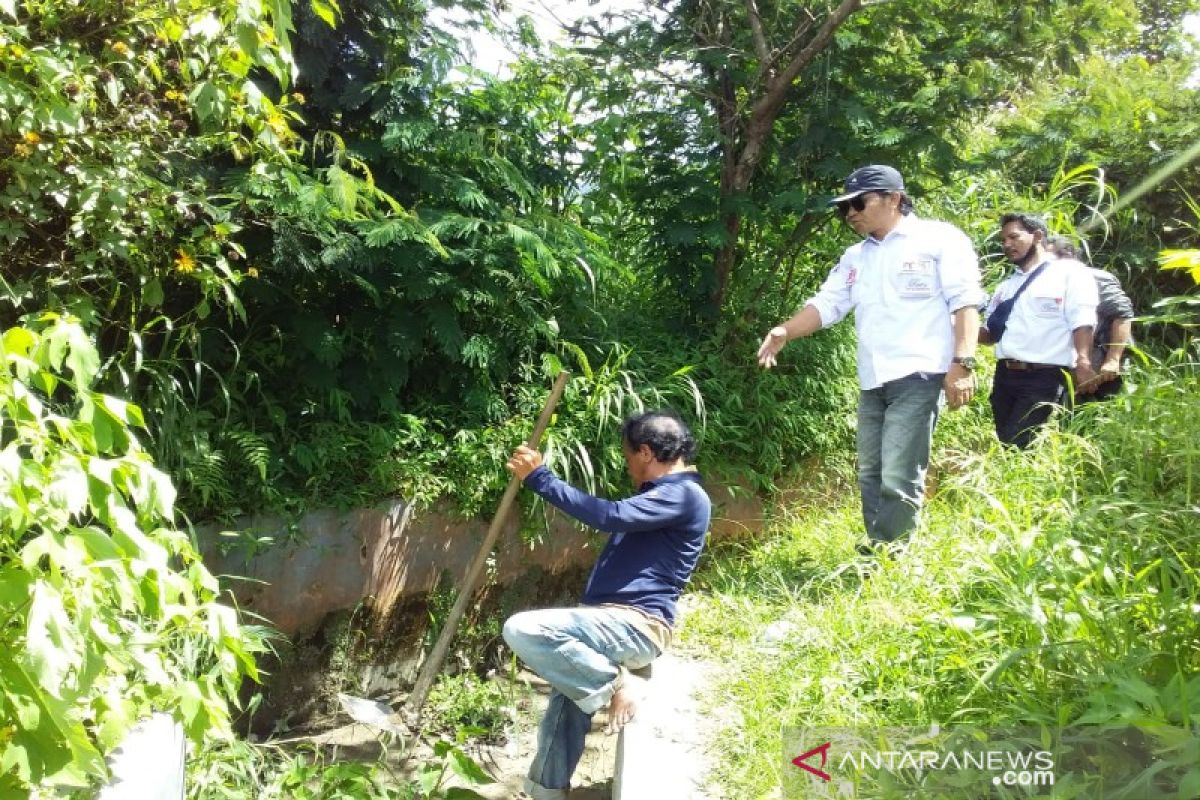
{"points": [[745, 140]]}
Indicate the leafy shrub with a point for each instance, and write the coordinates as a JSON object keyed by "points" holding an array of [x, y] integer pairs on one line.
{"points": [[467, 701], [108, 612]]}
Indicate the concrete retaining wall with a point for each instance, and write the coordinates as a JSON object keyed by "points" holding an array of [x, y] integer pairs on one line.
{"points": [[376, 558]]}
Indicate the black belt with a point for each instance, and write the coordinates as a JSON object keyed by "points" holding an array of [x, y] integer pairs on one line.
{"points": [[1013, 363]]}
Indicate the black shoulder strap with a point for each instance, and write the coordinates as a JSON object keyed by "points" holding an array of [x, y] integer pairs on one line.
{"points": [[1028, 281]]}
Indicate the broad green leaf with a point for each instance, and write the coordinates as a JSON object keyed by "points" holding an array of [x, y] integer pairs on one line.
{"points": [[57, 745], [208, 101], [99, 545], [68, 484], [460, 793], [152, 293], [1186, 260], [51, 647], [18, 341], [83, 360], [466, 768], [15, 586], [327, 11]]}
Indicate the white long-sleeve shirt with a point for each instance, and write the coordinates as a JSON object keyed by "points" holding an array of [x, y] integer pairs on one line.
{"points": [[1041, 327], [903, 290]]}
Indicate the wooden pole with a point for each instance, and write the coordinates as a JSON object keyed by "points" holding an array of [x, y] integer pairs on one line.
{"points": [[466, 592]]}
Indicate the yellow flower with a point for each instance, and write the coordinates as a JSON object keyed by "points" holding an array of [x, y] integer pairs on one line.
{"points": [[17, 51], [121, 49], [252, 272], [184, 263], [278, 125], [22, 150], [299, 98], [174, 95], [32, 138]]}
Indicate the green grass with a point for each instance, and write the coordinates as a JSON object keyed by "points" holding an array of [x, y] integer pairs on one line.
{"points": [[1047, 587]]}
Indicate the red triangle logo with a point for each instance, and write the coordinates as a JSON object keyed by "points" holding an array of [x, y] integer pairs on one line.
{"points": [[824, 751]]}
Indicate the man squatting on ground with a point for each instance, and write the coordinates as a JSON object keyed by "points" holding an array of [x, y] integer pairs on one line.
{"points": [[628, 607], [1114, 322], [1040, 320], [913, 285]]}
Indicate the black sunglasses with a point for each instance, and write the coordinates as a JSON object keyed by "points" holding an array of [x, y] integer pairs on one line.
{"points": [[857, 203]]}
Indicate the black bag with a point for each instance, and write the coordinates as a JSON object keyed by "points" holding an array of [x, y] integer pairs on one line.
{"points": [[997, 321]]}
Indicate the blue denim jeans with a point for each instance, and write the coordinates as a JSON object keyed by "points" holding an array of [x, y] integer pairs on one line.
{"points": [[895, 429], [578, 651]]}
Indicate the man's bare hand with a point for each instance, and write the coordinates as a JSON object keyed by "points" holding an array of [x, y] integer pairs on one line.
{"points": [[959, 385], [1086, 379], [774, 341], [523, 461], [1109, 372]]}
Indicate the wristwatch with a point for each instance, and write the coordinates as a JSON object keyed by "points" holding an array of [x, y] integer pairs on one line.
{"points": [[968, 362]]}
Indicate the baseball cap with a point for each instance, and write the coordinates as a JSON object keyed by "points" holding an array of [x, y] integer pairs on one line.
{"points": [[873, 178]]}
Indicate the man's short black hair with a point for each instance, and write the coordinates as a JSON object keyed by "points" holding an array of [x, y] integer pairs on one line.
{"points": [[663, 432], [1030, 222], [1061, 246]]}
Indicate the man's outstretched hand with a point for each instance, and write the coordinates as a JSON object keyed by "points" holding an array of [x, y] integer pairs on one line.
{"points": [[772, 343], [523, 461]]}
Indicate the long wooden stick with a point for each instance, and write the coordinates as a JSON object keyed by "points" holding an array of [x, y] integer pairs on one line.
{"points": [[466, 592]]}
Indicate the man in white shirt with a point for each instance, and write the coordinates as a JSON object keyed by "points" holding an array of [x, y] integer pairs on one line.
{"points": [[1040, 319], [913, 285]]}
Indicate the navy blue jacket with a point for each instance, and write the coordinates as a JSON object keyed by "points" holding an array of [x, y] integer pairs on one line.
{"points": [[657, 536]]}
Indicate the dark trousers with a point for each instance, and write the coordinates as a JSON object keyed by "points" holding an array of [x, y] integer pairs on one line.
{"points": [[1022, 401]]}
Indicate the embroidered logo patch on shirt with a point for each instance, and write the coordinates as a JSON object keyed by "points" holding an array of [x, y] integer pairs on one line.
{"points": [[851, 276], [914, 279]]}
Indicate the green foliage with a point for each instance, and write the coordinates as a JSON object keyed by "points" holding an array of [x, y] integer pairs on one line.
{"points": [[237, 770], [403, 253], [106, 111], [1051, 587], [108, 612], [466, 701], [676, 94]]}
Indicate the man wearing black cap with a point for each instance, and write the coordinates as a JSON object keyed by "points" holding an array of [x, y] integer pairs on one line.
{"points": [[913, 285]]}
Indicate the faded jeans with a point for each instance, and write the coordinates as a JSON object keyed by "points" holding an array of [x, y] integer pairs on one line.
{"points": [[578, 652], [895, 429]]}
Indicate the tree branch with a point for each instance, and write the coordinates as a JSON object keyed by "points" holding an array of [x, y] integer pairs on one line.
{"points": [[764, 111], [665, 77], [756, 31], [815, 45]]}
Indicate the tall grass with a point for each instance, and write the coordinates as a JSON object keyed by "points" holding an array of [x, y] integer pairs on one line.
{"points": [[1047, 587]]}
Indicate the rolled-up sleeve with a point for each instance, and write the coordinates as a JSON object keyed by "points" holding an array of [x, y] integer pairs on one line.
{"points": [[832, 300], [1082, 299], [958, 271]]}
